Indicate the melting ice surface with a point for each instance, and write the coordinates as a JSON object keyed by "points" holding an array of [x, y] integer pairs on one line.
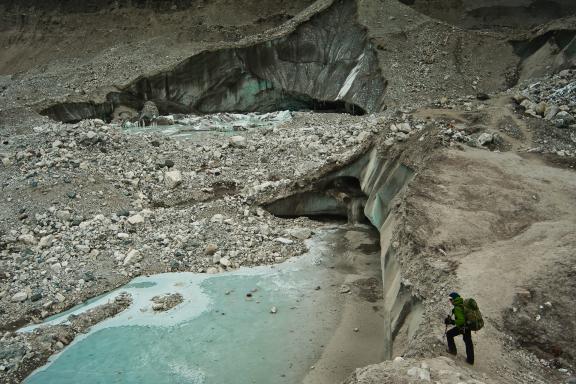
{"points": [[189, 125], [218, 334]]}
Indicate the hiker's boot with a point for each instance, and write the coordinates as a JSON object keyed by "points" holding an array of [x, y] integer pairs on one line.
{"points": [[452, 351], [470, 361]]}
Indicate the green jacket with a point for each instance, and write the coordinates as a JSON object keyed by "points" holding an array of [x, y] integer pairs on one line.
{"points": [[458, 312]]}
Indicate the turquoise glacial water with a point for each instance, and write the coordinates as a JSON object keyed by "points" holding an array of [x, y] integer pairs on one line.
{"points": [[224, 124], [218, 334]]}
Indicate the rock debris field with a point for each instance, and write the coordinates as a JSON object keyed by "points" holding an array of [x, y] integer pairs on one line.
{"points": [[88, 206]]}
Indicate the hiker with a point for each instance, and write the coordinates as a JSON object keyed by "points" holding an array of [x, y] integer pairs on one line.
{"points": [[460, 328]]}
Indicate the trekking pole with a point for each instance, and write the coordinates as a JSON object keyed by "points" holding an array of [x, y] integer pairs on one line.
{"points": [[446, 330]]}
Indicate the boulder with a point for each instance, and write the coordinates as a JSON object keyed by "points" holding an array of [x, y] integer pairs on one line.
{"points": [[389, 142], [63, 215], [401, 136], [237, 141], [563, 119], [217, 218], [19, 297], [540, 108], [404, 127], [210, 249], [136, 219], [28, 239], [46, 241], [419, 373], [484, 138], [132, 257], [551, 111], [528, 105], [173, 178], [300, 233], [165, 120], [224, 261]]}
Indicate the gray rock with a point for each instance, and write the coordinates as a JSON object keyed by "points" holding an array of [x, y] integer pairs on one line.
{"points": [[404, 127], [400, 136], [36, 296], [419, 373], [211, 249], [19, 297], [28, 238], [133, 256], [165, 120], [46, 241], [224, 261], [519, 98], [484, 138], [161, 163], [551, 111], [63, 215], [173, 178], [56, 267], [300, 233], [563, 119], [540, 108], [528, 105], [136, 219], [237, 141], [217, 218], [123, 213]]}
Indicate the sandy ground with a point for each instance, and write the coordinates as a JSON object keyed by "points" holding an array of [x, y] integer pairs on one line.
{"points": [[358, 339], [502, 219], [495, 273]]}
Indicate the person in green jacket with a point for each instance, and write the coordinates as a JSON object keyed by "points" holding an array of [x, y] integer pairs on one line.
{"points": [[460, 328]]}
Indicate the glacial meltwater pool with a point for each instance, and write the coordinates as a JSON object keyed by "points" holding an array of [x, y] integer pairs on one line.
{"points": [[224, 332]]}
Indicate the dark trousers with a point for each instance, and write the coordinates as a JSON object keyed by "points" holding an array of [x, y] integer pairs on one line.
{"points": [[467, 334]]}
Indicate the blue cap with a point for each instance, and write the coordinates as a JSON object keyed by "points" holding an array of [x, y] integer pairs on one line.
{"points": [[454, 295]]}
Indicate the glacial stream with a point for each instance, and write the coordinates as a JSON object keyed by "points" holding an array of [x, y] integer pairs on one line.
{"points": [[193, 126], [311, 319]]}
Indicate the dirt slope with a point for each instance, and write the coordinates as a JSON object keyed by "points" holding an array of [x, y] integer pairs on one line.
{"points": [[36, 33]]}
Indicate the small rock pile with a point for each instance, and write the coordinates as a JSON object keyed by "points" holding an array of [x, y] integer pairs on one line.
{"points": [[401, 130], [553, 99], [166, 302], [454, 133]]}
